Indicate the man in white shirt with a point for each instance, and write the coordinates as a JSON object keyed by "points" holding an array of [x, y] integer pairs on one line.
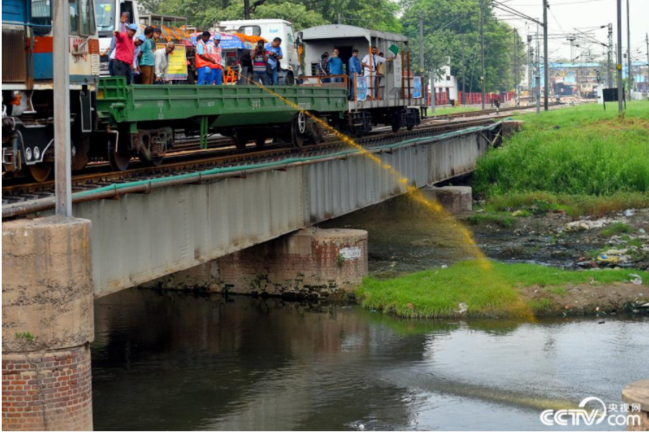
{"points": [[374, 61], [161, 58]]}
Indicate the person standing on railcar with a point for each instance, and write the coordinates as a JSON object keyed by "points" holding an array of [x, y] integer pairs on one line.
{"points": [[354, 70], [259, 64], [124, 49], [203, 59], [147, 62], [335, 65], [370, 63], [323, 67], [136, 77], [274, 51], [162, 62], [217, 68]]}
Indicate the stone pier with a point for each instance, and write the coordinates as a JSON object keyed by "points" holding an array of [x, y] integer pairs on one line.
{"points": [[47, 324], [308, 263], [454, 199]]}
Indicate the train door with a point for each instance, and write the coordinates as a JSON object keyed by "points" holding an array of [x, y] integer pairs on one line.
{"points": [[345, 53]]}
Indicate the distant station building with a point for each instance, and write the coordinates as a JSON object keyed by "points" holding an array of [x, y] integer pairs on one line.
{"points": [[445, 84]]}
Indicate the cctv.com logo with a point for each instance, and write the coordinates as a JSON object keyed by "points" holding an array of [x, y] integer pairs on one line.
{"points": [[591, 417]]}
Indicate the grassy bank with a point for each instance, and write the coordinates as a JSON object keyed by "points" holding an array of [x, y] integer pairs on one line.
{"points": [[580, 159], [504, 290], [456, 109]]}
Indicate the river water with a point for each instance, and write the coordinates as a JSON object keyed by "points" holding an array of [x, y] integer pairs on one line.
{"points": [[177, 361]]}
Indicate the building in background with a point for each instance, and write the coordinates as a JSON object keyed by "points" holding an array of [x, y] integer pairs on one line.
{"points": [[446, 86]]}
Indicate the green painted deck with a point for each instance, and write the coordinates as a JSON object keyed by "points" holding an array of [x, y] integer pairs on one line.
{"points": [[225, 106]]}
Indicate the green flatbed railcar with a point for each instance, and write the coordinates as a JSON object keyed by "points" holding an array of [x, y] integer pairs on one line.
{"points": [[142, 119]]}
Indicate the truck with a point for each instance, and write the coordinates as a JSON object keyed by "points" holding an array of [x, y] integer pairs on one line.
{"points": [[108, 14], [269, 29]]}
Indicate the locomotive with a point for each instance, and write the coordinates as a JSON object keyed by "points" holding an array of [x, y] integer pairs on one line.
{"points": [[27, 85]]}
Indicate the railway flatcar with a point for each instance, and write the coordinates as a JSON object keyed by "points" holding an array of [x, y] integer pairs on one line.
{"points": [[143, 120], [385, 92], [27, 85]]}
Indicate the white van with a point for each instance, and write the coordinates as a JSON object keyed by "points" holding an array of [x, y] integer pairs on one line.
{"points": [[269, 29], [108, 14]]}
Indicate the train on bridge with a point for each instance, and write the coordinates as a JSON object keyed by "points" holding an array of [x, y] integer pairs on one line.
{"points": [[115, 122]]}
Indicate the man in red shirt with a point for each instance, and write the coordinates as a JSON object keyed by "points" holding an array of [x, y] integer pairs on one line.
{"points": [[124, 48]]}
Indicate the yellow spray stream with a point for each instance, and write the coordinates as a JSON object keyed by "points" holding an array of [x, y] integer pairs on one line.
{"points": [[413, 192]]}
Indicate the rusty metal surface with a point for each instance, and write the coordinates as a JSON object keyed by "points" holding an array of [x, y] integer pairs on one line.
{"points": [[143, 236], [14, 66]]}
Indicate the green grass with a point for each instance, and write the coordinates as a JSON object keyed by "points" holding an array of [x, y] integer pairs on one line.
{"points": [[616, 229], [577, 152], [489, 292], [453, 110], [503, 221], [573, 205]]}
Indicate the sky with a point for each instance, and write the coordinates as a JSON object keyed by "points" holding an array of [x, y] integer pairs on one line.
{"points": [[566, 15]]}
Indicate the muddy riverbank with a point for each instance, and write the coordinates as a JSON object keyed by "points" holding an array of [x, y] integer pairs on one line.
{"points": [[404, 240]]}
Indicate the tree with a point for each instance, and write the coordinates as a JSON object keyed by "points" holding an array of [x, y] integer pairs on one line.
{"points": [[445, 21], [374, 14]]}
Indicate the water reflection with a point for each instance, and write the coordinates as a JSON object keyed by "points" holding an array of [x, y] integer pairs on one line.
{"points": [[176, 361]]}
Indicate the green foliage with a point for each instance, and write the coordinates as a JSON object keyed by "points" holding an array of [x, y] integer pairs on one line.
{"points": [[485, 291], [503, 221], [572, 205], [581, 151], [26, 336], [374, 14], [616, 229], [450, 24]]}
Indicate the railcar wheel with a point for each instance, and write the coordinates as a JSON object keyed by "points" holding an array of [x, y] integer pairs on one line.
{"points": [[260, 143], [410, 126], [298, 130], [41, 171], [156, 161], [118, 160], [240, 140], [396, 125]]}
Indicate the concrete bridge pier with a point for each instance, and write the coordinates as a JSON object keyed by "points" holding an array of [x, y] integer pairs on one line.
{"points": [[310, 262], [47, 324]]}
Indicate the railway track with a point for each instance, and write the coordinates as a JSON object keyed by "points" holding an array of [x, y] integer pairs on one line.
{"points": [[489, 111], [220, 157]]}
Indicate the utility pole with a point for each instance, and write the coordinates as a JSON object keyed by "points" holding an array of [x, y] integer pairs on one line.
{"points": [[628, 52], [620, 106], [516, 60], [609, 75], [340, 20], [62, 148], [530, 60], [464, 75], [647, 83], [482, 21], [546, 65], [422, 67], [537, 76], [246, 9]]}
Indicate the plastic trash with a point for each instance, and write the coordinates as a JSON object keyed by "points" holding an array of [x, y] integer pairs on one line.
{"points": [[635, 279]]}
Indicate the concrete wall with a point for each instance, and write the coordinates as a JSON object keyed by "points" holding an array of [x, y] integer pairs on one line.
{"points": [[141, 237], [47, 324]]}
